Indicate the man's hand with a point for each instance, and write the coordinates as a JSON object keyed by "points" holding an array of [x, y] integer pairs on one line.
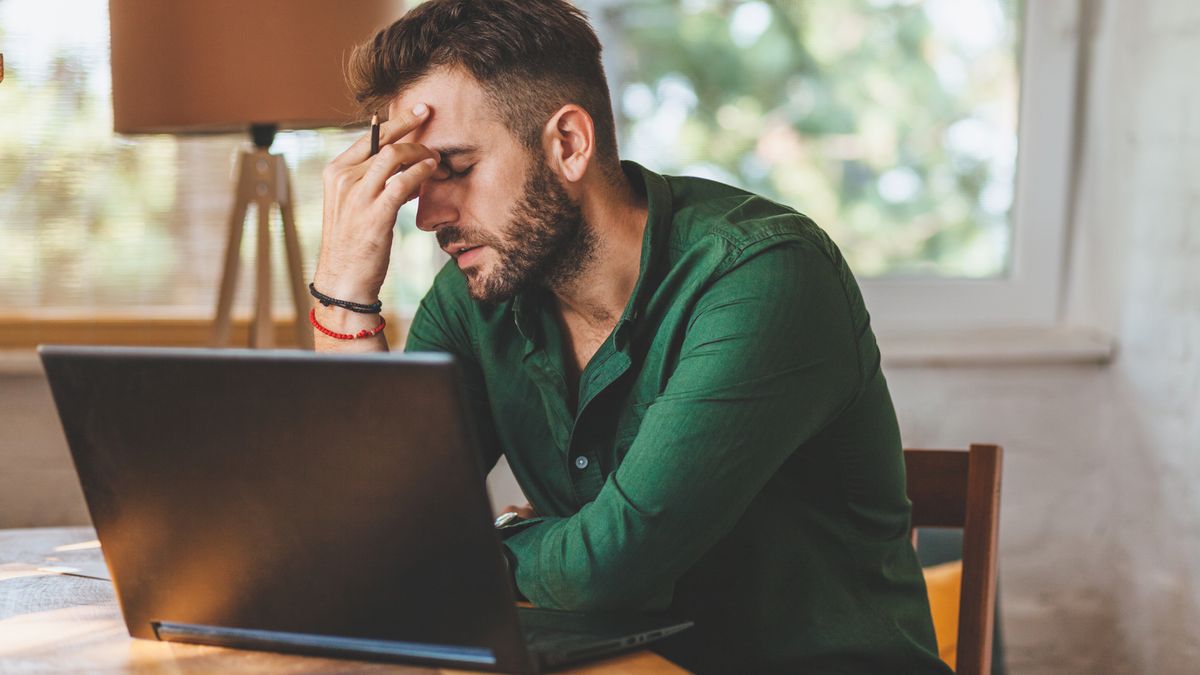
{"points": [[362, 196], [524, 512]]}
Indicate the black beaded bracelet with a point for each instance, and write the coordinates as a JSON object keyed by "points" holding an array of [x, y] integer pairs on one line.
{"points": [[373, 308]]}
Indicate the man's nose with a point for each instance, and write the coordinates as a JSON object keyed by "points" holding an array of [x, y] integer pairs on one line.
{"points": [[435, 206]]}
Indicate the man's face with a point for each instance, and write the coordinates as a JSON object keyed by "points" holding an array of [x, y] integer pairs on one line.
{"points": [[497, 208]]}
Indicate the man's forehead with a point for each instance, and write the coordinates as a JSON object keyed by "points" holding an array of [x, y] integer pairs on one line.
{"points": [[460, 115]]}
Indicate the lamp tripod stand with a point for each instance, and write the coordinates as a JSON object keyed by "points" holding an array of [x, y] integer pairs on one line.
{"points": [[263, 180]]}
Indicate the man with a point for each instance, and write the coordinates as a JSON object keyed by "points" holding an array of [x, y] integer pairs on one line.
{"points": [[682, 375]]}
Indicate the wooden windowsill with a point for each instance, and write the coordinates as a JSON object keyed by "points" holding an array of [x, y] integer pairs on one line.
{"points": [[997, 347], [20, 334]]}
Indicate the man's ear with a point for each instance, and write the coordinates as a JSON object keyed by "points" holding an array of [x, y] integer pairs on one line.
{"points": [[570, 141]]}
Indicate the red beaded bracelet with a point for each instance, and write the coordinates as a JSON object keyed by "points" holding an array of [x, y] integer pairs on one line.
{"points": [[364, 333]]}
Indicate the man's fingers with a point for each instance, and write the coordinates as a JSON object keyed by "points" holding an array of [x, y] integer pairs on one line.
{"points": [[349, 175], [389, 132], [392, 158], [526, 512], [404, 185], [408, 122]]}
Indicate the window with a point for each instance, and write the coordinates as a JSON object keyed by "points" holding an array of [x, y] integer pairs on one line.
{"points": [[893, 123], [92, 223]]}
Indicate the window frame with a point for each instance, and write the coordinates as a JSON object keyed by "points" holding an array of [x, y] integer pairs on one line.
{"points": [[1027, 302], [1029, 295]]}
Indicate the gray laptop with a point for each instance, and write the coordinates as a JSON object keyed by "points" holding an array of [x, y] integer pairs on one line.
{"points": [[290, 501]]}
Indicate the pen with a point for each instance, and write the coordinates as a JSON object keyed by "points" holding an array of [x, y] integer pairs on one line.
{"points": [[374, 135]]}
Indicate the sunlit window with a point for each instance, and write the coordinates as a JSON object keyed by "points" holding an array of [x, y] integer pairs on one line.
{"points": [[892, 123], [92, 221]]}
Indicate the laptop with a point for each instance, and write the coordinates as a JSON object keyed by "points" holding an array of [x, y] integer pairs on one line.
{"points": [[311, 503]]}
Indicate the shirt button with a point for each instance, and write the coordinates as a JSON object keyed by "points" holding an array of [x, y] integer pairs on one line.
{"points": [[581, 462]]}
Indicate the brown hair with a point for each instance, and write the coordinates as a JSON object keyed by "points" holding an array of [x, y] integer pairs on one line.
{"points": [[530, 56]]}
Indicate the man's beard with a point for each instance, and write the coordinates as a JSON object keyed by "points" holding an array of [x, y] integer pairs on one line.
{"points": [[546, 242]]}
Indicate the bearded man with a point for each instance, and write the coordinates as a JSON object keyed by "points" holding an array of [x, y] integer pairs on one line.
{"points": [[681, 374]]}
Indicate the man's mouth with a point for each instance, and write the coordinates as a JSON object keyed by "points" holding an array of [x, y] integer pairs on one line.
{"points": [[459, 249]]}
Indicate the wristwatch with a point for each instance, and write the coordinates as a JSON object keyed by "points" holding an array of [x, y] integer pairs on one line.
{"points": [[505, 519]]}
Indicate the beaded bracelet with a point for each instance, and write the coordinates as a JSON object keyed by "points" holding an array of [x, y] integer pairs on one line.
{"points": [[364, 333], [373, 308]]}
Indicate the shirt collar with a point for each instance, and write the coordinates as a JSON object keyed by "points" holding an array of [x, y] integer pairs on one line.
{"points": [[654, 242]]}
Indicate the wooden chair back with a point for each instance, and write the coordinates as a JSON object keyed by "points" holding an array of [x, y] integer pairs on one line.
{"points": [[961, 489]]}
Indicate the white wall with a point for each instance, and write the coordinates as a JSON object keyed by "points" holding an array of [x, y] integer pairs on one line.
{"points": [[1100, 537], [37, 482]]}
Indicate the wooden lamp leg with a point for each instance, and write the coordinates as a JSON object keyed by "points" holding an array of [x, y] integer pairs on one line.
{"points": [[262, 333], [243, 195], [263, 179]]}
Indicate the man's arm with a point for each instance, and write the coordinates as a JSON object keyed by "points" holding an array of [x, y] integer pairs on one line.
{"points": [[769, 359], [363, 194], [362, 197]]}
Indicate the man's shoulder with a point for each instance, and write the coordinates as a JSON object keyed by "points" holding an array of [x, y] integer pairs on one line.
{"points": [[706, 213]]}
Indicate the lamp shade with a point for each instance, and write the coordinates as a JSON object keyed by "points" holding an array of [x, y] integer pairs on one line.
{"points": [[191, 66]]}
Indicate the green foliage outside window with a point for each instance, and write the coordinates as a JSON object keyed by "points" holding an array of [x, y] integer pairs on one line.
{"points": [[891, 122]]}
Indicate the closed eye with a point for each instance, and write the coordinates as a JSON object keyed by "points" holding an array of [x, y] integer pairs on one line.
{"points": [[452, 173]]}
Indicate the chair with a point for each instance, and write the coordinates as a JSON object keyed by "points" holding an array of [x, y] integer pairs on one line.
{"points": [[961, 489]]}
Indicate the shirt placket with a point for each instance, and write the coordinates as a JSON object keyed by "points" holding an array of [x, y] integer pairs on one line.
{"points": [[587, 472]]}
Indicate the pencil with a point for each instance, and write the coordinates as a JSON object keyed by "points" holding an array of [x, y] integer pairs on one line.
{"points": [[374, 135]]}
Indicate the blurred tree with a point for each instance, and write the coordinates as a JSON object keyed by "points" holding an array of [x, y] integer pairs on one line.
{"points": [[890, 122], [93, 221]]}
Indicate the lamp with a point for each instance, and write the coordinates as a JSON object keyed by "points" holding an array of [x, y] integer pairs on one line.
{"points": [[219, 66]]}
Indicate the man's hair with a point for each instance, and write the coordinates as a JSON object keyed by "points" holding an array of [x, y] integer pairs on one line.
{"points": [[531, 57]]}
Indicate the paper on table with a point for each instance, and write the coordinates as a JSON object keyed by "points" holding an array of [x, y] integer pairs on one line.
{"points": [[81, 560], [90, 570]]}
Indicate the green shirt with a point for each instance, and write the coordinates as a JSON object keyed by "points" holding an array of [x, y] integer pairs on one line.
{"points": [[734, 456]]}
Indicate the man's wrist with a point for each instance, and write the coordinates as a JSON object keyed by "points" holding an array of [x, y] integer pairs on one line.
{"points": [[341, 320], [348, 290]]}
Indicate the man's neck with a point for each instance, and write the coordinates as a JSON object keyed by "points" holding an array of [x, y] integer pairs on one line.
{"points": [[598, 294]]}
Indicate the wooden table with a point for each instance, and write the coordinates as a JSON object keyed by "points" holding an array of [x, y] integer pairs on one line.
{"points": [[56, 622]]}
